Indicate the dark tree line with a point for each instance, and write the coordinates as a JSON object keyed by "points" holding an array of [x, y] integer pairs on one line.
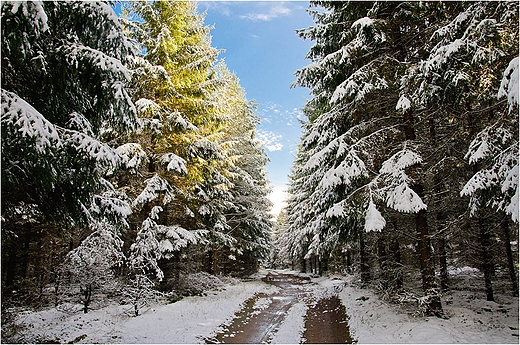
{"points": [[408, 162]]}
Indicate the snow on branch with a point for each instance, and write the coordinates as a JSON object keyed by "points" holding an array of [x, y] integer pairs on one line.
{"points": [[360, 83], [403, 199], [399, 195], [132, 155], [403, 159], [24, 119], [509, 87], [319, 157], [146, 106], [206, 149], [350, 168], [498, 145], [178, 120], [33, 10], [177, 238], [112, 206], [362, 23], [337, 210], [75, 53], [94, 148], [155, 187], [403, 104], [80, 123], [374, 221], [488, 143], [175, 163]]}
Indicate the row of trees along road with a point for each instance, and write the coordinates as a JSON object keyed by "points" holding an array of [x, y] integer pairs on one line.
{"points": [[128, 151], [408, 162]]}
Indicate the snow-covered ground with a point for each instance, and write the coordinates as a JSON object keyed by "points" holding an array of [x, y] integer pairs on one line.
{"points": [[187, 321], [471, 319]]}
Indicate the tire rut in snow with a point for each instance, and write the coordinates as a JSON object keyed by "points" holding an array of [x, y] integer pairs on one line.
{"points": [[262, 315], [326, 323]]}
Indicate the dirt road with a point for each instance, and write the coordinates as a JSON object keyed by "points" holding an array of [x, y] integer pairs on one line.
{"points": [[262, 315]]}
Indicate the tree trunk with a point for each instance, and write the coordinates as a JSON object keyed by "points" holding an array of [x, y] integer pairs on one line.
{"points": [[87, 295], [11, 265], [509, 253], [363, 258], [443, 261], [304, 265], [25, 253], [325, 265], [433, 301], [396, 250], [209, 268], [348, 258], [486, 258], [383, 262]]}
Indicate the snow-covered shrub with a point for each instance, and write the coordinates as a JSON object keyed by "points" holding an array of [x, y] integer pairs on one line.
{"points": [[91, 264], [139, 292], [197, 283]]}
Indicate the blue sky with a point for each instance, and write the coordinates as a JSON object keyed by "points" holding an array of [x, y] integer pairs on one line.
{"points": [[263, 50]]}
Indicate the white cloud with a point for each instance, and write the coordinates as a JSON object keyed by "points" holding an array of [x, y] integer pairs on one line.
{"points": [[221, 7], [276, 10], [270, 140], [275, 113]]}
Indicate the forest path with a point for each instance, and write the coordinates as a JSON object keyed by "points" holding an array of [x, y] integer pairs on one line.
{"points": [[262, 315]]}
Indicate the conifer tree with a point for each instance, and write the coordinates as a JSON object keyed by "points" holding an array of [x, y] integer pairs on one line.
{"points": [[391, 85], [63, 99], [192, 144]]}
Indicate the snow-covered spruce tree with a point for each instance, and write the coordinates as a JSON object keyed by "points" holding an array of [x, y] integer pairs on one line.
{"points": [[173, 84], [194, 118], [63, 99], [247, 215], [459, 80], [379, 129], [312, 194], [364, 145], [279, 259], [495, 150]]}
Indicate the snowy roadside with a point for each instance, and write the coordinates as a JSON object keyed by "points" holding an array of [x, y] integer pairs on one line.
{"points": [[187, 321], [471, 319]]}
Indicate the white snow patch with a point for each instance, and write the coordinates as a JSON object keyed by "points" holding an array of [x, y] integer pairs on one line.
{"points": [[471, 320], [293, 326], [374, 221], [188, 321], [510, 84], [363, 22], [403, 104]]}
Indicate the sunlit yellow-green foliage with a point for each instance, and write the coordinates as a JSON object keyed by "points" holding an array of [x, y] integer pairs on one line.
{"points": [[190, 103], [178, 74]]}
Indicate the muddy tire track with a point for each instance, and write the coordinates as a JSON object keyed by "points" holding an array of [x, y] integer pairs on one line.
{"points": [[262, 315]]}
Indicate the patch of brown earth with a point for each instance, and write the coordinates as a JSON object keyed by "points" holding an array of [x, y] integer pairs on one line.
{"points": [[326, 323], [262, 315]]}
